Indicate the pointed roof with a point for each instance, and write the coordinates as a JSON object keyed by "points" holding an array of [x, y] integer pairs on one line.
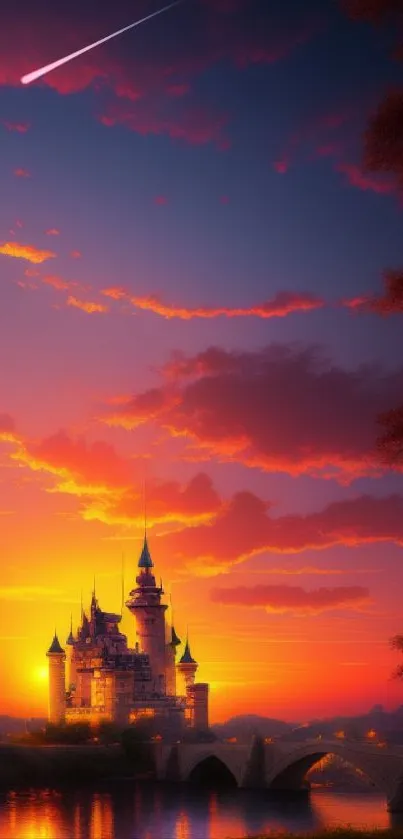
{"points": [[145, 560], [70, 638], [175, 641], [187, 656], [55, 646]]}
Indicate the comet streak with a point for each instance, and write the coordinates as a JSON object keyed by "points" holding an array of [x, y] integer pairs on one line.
{"points": [[36, 74]]}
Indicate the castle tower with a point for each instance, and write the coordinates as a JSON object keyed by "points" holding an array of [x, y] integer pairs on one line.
{"points": [[57, 682], [187, 666], [145, 604], [70, 665], [171, 647]]}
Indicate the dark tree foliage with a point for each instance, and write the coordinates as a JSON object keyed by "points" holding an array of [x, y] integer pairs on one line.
{"points": [[194, 735], [397, 644], [383, 139], [137, 746], [390, 442], [73, 734], [375, 11], [392, 299]]}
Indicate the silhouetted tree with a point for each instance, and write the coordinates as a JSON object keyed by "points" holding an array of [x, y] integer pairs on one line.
{"points": [[383, 139], [390, 441], [397, 644], [374, 11], [196, 735], [73, 734], [383, 152], [137, 746]]}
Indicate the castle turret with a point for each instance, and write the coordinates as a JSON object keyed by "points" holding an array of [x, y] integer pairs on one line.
{"points": [[171, 648], [145, 604], [57, 682], [70, 665], [187, 666]]}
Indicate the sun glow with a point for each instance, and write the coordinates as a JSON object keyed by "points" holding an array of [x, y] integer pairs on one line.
{"points": [[40, 674]]}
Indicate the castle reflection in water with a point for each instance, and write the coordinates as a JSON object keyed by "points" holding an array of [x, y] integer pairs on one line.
{"points": [[158, 812]]}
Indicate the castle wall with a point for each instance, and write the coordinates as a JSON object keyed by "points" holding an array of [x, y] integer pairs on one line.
{"points": [[150, 632], [57, 688], [170, 670], [197, 705]]}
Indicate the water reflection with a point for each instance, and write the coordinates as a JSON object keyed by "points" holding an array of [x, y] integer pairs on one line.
{"points": [[163, 812]]}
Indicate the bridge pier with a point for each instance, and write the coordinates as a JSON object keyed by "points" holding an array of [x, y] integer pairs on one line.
{"points": [[281, 766]]}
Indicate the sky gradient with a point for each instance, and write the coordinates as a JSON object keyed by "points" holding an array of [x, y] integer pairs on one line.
{"points": [[194, 297]]}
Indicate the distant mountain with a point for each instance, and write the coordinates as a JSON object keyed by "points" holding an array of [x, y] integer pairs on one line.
{"points": [[243, 727], [387, 726]]}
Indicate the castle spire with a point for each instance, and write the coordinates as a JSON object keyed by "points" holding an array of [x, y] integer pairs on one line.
{"points": [[145, 560], [187, 656], [70, 638], [55, 647]]}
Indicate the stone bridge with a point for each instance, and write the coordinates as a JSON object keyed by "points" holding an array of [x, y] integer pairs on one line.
{"points": [[282, 765]]}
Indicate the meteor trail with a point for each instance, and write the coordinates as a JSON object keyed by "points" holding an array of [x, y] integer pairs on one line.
{"points": [[36, 74]]}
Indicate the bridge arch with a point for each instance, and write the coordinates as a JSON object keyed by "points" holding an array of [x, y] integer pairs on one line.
{"points": [[211, 771], [228, 766], [289, 771]]}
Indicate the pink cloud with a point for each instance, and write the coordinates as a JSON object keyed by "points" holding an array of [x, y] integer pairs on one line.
{"points": [[22, 173], [178, 90], [197, 126], [282, 599], [58, 283], [281, 166], [18, 127], [161, 200], [244, 527], [108, 485], [388, 303], [218, 400], [53, 231], [361, 180]]}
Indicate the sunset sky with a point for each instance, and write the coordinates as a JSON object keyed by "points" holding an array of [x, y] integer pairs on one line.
{"points": [[192, 297]]}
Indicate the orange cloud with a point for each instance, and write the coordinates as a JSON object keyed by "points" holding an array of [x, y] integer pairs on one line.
{"points": [[58, 282], [75, 254], [28, 252], [7, 428], [295, 599], [244, 528], [202, 531], [110, 487], [22, 173], [282, 304], [115, 293], [87, 305]]}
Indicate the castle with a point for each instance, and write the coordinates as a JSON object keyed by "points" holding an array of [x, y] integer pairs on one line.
{"points": [[99, 677]]}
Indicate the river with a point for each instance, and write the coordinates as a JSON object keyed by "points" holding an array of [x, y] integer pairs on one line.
{"points": [[130, 811]]}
